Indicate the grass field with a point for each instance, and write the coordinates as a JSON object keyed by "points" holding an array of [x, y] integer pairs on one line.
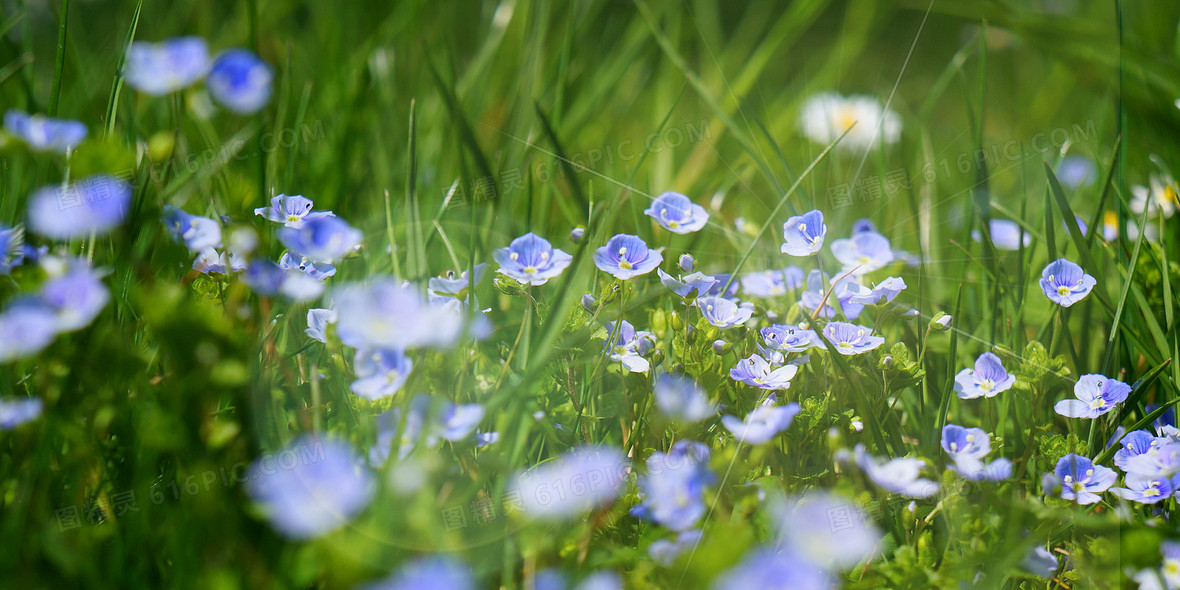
{"points": [[445, 368]]}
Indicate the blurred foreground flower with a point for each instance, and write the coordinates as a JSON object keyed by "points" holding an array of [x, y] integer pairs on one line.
{"points": [[15, 412], [45, 134], [167, 66], [900, 476], [431, 572], [826, 115], [571, 484], [240, 81], [92, 206]]}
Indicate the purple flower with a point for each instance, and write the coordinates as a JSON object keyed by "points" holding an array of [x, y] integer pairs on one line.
{"points": [[899, 476], [1135, 443], [45, 134], [168, 66], [291, 211], [1005, 234], [724, 313], [15, 412], [782, 338], [772, 283], [311, 488], [75, 297], [1064, 283], [887, 290], [1146, 489], [572, 483], [95, 205], [757, 372], [12, 248], [1082, 480], [987, 379], [763, 423], [677, 214], [688, 287], [198, 233], [766, 568], [850, 339], [680, 398], [803, 235], [1096, 395], [673, 491], [433, 572], [630, 346], [25, 329], [317, 323], [530, 260], [625, 256], [863, 252], [324, 239], [388, 314], [848, 534], [240, 81], [1161, 459], [380, 373]]}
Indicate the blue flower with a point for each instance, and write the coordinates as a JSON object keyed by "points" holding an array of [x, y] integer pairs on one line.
{"points": [[803, 235], [1064, 283], [790, 338], [317, 323], [899, 476], [1096, 395], [1161, 459], [198, 233], [677, 214], [1146, 489], [388, 314], [15, 412], [686, 262], [25, 329], [665, 552], [680, 398], [45, 134], [887, 290], [449, 286], [863, 252], [844, 291], [758, 372], [849, 535], [12, 248], [850, 339], [763, 423], [766, 568], [772, 283], [324, 239], [571, 484], [1075, 171], [1040, 561], [291, 211], [530, 260], [168, 66], [76, 296], [724, 313], [457, 422], [316, 270], [240, 81], [1005, 234], [269, 279], [967, 448], [863, 225], [380, 373], [310, 488], [1135, 443], [95, 205], [602, 580], [673, 491], [722, 279], [433, 572], [1081, 480], [688, 287], [987, 379], [630, 346], [625, 256]]}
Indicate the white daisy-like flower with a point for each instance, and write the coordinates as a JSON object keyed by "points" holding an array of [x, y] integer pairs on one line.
{"points": [[826, 115]]}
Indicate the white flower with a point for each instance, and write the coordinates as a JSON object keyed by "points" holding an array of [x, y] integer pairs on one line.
{"points": [[1160, 196], [826, 115]]}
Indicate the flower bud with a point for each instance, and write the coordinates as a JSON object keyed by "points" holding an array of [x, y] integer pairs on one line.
{"points": [[686, 262], [576, 234], [677, 322], [909, 314], [588, 302], [941, 322], [720, 346], [887, 362]]}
